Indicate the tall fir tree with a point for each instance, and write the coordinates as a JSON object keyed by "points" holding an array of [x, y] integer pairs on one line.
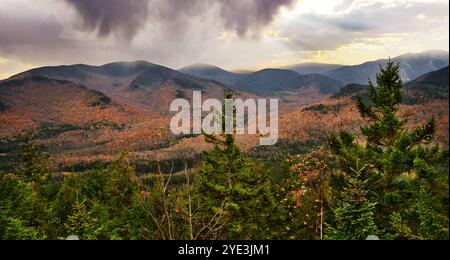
{"points": [[354, 213], [34, 165], [81, 223], [238, 190], [401, 164]]}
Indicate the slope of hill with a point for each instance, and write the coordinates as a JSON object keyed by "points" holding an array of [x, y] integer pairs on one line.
{"points": [[311, 68], [271, 81], [318, 121], [438, 79], [411, 67], [424, 97], [139, 83], [431, 85], [73, 122], [350, 90], [212, 72], [139, 73], [323, 84], [35, 100], [277, 81]]}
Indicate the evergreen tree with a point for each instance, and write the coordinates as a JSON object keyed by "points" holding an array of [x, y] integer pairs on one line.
{"points": [[16, 209], [81, 223], [122, 187], [33, 173], [33, 163], [121, 200], [354, 214], [236, 191], [400, 164]]}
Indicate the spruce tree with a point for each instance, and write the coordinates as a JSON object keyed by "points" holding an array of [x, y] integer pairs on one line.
{"points": [[34, 165], [34, 171], [354, 214], [16, 209], [81, 223], [401, 164], [236, 191], [121, 199]]}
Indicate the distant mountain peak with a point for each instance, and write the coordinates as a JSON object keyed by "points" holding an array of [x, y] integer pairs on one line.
{"points": [[200, 66], [211, 72], [424, 53], [312, 67], [412, 65], [276, 70], [130, 63], [273, 81]]}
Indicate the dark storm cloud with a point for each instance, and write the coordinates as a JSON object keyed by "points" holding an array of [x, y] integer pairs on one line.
{"points": [[178, 32], [242, 16], [41, 38], [30, 37], [127, 17], [108, 16]]}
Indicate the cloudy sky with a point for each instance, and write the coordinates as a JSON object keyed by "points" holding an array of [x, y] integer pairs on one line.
{"points": [[233, 34]]}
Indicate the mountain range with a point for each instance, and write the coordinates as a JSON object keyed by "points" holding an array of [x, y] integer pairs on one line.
{"points": [[213, 73], [432, 85], [269, 81], [312, 68], [411, 67], [139, 83], [279, 82], [152, 87], [326, 78], [84, 112]]}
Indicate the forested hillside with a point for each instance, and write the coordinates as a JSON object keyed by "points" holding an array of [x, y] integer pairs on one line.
{"points": [[383, 176]]}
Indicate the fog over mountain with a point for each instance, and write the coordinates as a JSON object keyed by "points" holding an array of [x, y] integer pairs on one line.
{"points": [[212, 72], [411, 67], [327, 78], [432, 85], [312, 67]]}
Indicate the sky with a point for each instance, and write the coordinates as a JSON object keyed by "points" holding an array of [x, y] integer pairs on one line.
{"points": [[232, 34]]}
